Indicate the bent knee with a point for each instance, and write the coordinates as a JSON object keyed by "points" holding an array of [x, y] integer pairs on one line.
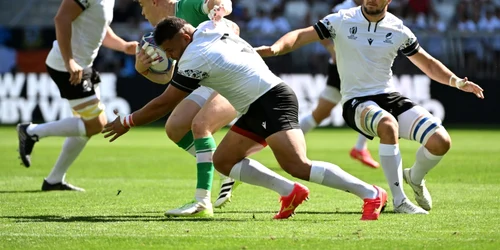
{"points": [[176, 129], [200, 126], [439, 143], [94, 126], [387, 126]]}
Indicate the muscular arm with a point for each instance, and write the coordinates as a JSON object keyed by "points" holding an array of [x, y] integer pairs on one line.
{"points": [[112, 41], [431, 66], [290, 42], [67, 13], [159, 78], [159, 107], [440, 73]]}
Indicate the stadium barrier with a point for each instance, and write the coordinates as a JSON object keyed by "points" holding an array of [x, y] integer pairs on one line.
{"points": [[34, 97]]}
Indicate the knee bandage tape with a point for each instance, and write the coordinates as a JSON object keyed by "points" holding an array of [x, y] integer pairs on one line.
{"points": [[90, 112]]}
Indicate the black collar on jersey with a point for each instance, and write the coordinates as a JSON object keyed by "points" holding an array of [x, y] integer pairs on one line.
{"points": [[370, 23]]}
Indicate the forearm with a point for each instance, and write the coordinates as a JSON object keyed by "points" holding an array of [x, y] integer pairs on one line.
{"points": [[286, 44], [63, 36], [112, 41], [158, 78], [154, 110], [438, 72]]}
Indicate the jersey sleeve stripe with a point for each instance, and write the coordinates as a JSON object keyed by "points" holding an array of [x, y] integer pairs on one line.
{"points": [[184, 83], [322, 31], [411, 50], [80, 4]]}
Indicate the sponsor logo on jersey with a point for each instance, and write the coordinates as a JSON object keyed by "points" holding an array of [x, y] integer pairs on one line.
{"points": [[353, 31], [388, 38]]}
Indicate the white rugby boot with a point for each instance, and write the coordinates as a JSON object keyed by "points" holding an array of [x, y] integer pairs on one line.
{"points": [[422, 195], [192, 209], [407, 207], [227, 186]]}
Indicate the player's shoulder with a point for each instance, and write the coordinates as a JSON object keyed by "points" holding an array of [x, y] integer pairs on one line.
{"points": [[210, 27], [351, 13], [394, 22], [206, 25]]}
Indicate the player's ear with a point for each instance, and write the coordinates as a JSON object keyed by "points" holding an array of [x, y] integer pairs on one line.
{"points": [[187, 37]]}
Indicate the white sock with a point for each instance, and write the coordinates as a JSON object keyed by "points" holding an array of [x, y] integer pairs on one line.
{"points": [[70, 151], [361, 143], [252, 172], [424, 162], [333, 176], [203, 196], [307, 123], [71, 126], [390, 158]]}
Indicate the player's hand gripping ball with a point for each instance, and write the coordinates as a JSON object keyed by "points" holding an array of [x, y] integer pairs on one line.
{"points": [[161, 63]]}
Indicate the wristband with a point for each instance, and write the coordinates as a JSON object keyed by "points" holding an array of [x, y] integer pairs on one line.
{"points": [[127, 121], [457, 82]]}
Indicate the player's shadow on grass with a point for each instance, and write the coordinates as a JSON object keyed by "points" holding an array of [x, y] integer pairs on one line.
{"points": [[109, 218], [298, 212], [19, 191]]}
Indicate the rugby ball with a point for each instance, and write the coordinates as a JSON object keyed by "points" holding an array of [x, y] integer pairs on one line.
{"points": [[163, 63]]}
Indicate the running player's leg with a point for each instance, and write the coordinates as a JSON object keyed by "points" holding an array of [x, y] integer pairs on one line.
{"points": [[89, 121], [368, 118], [419, 125], [178, 129], [230, 159], [214, 115], [289, 148]]}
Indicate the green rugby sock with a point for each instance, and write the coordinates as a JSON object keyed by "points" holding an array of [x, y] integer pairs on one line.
{"points": [[205, 148], [187, 143]]}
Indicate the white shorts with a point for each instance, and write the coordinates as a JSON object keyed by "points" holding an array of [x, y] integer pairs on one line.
{"points": [[200, 95]]}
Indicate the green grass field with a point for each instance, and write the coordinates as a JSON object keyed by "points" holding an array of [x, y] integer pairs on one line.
{"points": [[154, 175]]}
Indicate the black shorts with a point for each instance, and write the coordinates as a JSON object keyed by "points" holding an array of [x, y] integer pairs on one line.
{"points": [[90, 77], [394, 103], [333, 79], [276, 110]]}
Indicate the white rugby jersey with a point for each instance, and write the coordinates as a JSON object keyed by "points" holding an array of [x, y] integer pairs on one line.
{"points": [[365, 51], [218, 59], [88, 32], [347, 4]]}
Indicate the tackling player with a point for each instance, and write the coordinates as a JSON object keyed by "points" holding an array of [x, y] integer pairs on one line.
{"points": [[203, 112]]}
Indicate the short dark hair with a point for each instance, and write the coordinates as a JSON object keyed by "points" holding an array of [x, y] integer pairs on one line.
{"points": [[167, 28]]}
